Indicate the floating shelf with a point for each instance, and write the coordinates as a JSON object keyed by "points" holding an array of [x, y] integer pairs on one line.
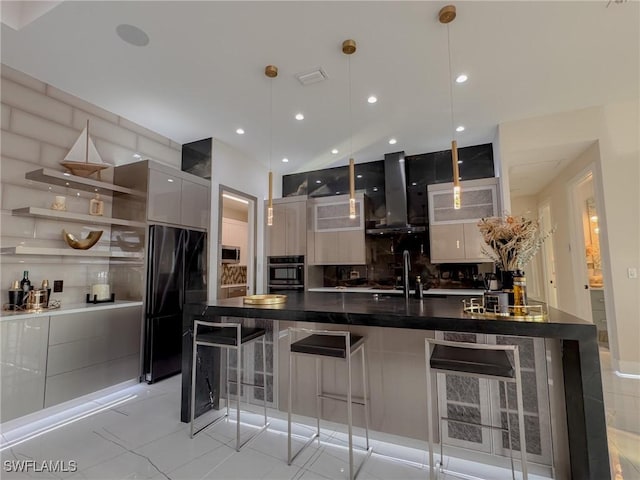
{"points": [[62, 179], [22, 250], [74, 217]]}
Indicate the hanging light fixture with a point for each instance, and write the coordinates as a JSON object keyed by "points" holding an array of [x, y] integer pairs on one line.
{"points": [[348, 48], [446, 16], [271, 71]]}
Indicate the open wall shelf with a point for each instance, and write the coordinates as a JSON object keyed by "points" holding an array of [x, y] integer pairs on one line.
{"points": [[63, 179], [74, 217]]}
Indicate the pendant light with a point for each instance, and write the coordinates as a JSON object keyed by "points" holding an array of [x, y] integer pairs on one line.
{"points": [[446, 16], [348, 48], [271, 71]]}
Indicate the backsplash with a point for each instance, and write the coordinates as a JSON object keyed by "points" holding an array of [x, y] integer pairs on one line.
{"points": [[233, 274], [384, 266]]}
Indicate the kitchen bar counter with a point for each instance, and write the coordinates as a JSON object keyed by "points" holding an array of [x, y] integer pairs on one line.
{"points": [[585, 418]]}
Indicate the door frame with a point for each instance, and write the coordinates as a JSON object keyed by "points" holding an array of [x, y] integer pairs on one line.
{"points": [[576, 236], [252, 219]]}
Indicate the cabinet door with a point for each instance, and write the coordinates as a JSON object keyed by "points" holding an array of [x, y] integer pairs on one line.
{"points": [[327, 249], [23, 365], [351, 248], [164, 198], [296, 220], [473, 243], [447, 243], [277, 233], [195, 205]]}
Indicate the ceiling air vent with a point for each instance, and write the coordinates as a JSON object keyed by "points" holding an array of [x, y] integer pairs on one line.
{"points": [[314, 76]]}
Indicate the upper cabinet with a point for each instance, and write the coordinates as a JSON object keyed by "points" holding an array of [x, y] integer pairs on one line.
{"points": [[336, 238], [173, 197], [288, 234], [454, 234]]}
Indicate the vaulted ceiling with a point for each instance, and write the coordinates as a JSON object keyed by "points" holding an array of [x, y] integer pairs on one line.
{"points": [[202, 72]]}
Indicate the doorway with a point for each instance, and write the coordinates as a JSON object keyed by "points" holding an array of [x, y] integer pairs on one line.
{"points": [[549, 259], [586, 257], [236, 244]]}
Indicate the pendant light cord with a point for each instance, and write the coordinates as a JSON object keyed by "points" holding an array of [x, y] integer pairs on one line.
{"points": [[453, 130], [270, 121], [350, 112]]}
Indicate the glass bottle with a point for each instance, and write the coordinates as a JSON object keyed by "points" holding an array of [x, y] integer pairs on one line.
{"points": [[519, 293], [25, 283]]}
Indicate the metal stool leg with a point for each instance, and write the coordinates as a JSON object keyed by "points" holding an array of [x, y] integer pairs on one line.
{"points": [[523, 441], [365, 392], [506, 400], [430, 410], [238, 394], [226, 380], [318, 392], [349, 410], [264, 377], [289, 459]]}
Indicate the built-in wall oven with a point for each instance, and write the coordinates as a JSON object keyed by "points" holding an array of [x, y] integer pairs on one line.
{"points": [[286, 273]]}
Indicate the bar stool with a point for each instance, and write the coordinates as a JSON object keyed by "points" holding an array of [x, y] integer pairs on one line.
{"points": [[480, 361], [230, 336], [332, 344]]}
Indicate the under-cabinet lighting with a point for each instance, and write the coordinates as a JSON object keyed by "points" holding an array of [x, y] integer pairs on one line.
{"points": [[236, 199]]}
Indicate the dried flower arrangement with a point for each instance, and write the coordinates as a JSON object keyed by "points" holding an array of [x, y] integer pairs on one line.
{"points": [[511, 241]]}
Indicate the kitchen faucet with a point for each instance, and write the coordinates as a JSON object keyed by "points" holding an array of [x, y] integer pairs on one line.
{"points": [[406, 267]]}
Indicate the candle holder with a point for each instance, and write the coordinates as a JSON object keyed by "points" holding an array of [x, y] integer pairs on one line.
{"points": [[94, 299]]}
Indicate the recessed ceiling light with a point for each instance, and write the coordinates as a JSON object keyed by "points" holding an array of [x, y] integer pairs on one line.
{"points": [[285, 160], [375, 189], [137, 155], [318, 181], [372, 99], [67, 174], [459, 162], [358, 176], [170, 180], [414, 183], [299, 116], [461, 78], [392, 141], [337, 193], [334, 151], [240, 131], [132, 35], [460, 128]]}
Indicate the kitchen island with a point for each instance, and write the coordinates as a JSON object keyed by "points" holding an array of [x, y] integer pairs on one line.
{"points": [[577, 378]]}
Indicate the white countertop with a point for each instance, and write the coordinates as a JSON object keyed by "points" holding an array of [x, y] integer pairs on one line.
{"points": [[431, 291], [71, 308]]}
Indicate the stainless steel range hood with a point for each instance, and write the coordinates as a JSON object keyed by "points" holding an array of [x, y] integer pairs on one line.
{"points": [[395, 192]]}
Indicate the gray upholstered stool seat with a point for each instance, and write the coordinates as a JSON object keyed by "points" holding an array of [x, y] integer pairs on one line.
{"points": [[481, 361], [339, 345], [230, 336]]}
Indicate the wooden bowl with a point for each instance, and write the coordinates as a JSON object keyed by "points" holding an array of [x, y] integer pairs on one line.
{"points": [[82, 244]]}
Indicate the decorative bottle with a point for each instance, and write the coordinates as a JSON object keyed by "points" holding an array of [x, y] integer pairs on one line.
{"points": [[25, 283], [519, 293], [96, 206]]}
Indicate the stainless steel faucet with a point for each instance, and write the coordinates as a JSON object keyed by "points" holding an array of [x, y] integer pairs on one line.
{"points": [[406, 267]]}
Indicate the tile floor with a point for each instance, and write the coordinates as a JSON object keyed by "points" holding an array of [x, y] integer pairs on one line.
{"points": [[136, 434]]}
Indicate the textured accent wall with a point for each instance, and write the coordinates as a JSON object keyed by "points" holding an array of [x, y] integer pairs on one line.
{"points": [[40, 123]]}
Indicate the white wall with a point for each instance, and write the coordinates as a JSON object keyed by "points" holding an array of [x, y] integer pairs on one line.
{"points": [[233, 169], [617, 184], [527, 206]]}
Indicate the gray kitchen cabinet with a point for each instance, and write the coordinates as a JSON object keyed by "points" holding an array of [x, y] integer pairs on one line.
{"points": [[483, 401], [194, 205], [173, 197], [337, 239], [92, 350], [456, 243], [453, 234], [288, 234], [23, 365]]}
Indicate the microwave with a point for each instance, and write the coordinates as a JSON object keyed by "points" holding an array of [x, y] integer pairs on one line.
{"points": [[229, 254], [286, 273]]}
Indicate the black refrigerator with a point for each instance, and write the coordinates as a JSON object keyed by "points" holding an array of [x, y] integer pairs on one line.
{"points": [[176, 275]]}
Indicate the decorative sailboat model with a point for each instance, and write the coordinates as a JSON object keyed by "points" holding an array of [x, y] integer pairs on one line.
{"points": [[83, 159]]}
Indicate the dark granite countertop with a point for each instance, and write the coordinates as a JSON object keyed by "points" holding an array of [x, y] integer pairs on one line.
{"points": [[391, 311]]}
